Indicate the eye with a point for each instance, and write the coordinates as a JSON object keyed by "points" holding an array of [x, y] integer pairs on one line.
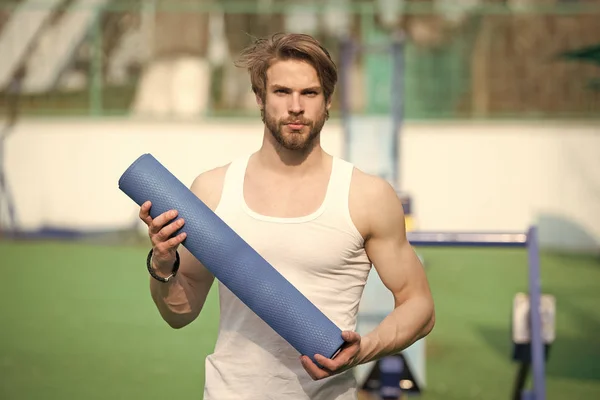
{"points": [[311, 93]]}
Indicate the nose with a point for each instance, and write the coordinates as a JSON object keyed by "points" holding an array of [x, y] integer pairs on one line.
{"points": [[295, 105]]}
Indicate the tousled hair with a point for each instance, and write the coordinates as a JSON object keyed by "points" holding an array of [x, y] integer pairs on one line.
{"points": [[260, 55]]}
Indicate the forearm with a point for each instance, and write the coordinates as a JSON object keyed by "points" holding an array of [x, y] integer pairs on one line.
{"points": [[407, 323], [174, 300]]}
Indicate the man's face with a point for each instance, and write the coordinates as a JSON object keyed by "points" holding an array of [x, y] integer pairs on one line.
{"points": [[294, 109]]}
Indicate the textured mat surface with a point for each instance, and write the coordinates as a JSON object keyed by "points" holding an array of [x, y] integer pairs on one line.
{"points": [[232, 261]]}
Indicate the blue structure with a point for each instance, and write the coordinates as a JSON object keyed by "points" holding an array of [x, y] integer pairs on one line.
{"points": [[6, 199], [530, 241], [372, 140]]}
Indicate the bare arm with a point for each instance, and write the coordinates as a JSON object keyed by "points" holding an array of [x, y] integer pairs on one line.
{"points": [[378, 214], [401, 272], [181, 300]]}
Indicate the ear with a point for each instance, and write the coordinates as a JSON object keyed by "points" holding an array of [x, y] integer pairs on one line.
{"points": [[259, 101]]}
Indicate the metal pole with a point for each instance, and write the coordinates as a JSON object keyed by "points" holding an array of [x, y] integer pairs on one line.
{"points": [[346, 57], [14, 91], [95, 107], [537, 345], [397, 107]]}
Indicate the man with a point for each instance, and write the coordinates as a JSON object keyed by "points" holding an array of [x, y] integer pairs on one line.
{"points": [[318, 220]]}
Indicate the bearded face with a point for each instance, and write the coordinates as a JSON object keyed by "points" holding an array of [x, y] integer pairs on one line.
{"points": [[295, 132], [294, 109]]}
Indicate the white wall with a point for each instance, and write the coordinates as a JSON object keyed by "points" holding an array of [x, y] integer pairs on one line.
{"points": [[462, 176], [506, 176]]}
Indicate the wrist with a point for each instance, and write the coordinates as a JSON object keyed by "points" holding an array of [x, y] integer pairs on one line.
{"points": [[367, 349], [163, 268], [161, 274]]}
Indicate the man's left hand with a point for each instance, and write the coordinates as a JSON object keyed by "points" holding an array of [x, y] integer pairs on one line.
{"points": [[343, 361]]}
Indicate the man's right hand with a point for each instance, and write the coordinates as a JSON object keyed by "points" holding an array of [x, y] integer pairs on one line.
{"points": [[160, 230]]}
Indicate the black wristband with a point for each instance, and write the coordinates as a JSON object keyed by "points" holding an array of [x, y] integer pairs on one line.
{"points": [[154, 275]]}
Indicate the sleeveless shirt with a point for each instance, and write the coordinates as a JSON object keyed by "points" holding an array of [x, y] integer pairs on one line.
{"points": [[322, 255]]}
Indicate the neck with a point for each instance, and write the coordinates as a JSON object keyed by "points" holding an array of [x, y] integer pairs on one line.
{"points": [[279, 159]]}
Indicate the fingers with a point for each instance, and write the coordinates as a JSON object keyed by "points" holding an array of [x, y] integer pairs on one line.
{"points": [[164, 241], [145, 213], [159, 222], [161, 229], [350, 337], [168, 230], [171, 244], [341, 362], [345, 358], [156, 224], [328, 363], [313, 370]]}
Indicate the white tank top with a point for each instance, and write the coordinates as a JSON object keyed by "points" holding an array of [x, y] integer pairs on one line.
{"points": [[322, 255]]}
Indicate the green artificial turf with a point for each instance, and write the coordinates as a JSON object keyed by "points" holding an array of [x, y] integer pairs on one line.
{"points": [[469, 350], [78, 323]]}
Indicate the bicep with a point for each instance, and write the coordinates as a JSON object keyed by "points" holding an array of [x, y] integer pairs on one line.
{"points": [[398, 267], [387, 246]]}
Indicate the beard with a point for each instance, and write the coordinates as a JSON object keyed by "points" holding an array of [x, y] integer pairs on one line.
{"points": [[295, 140]]}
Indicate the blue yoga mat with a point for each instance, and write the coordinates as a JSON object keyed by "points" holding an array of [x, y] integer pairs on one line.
{"points": [[232, 261]]}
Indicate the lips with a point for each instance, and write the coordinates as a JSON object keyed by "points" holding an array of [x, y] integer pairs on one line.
{"points": [[296, 125]]}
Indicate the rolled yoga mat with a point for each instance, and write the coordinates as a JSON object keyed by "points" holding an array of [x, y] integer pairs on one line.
{"points": [[232, 261]]}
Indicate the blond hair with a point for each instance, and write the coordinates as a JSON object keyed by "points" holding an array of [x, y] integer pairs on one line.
{"points": [[261, 54]]}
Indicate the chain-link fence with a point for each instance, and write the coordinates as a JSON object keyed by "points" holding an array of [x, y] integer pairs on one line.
{"points": [[460, 59]]}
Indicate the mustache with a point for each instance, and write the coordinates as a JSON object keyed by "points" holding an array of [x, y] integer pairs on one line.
{"points": [[296, 121]]}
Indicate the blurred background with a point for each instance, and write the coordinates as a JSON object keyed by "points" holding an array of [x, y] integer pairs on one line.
{"points": [[484, 114]]}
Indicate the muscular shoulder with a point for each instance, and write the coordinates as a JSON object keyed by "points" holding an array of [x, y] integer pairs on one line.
{"points": [[209, 185], [373, 203]]}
